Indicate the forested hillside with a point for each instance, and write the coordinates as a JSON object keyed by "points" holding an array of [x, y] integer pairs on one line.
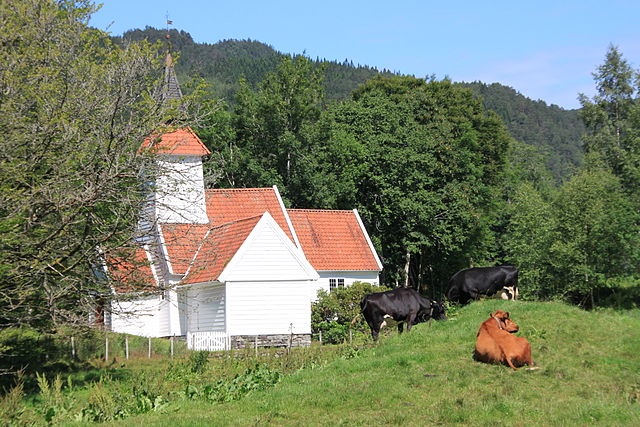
{"points": [[222, 64], [554, 131]]}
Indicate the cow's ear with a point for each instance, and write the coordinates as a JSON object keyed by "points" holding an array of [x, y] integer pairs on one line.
{"points": [[506, 315], [490, 314]]}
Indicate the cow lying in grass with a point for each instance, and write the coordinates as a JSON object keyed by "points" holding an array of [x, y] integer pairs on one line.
{"points": [[495, 344]]}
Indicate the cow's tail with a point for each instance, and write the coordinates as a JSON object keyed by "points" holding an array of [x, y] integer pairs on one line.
{"points": [[355, 319], [363, 305]]}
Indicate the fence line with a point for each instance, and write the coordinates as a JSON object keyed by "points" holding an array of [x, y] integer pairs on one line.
{"points": [[208, 340]]}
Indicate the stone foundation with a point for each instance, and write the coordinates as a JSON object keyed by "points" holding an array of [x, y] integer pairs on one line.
{"points": [[282, 340]]}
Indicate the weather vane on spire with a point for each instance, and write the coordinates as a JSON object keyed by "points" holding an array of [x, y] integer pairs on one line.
{"points": [[168, 35], [169, 22]]}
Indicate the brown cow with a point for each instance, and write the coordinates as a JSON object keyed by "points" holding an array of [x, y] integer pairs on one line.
{"points": [[495, 344]]}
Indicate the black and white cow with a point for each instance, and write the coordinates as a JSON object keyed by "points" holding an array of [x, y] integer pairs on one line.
{"points": [[470, 284], [402, 305]]}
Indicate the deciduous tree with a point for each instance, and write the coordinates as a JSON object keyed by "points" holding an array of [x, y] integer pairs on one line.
{"points": [[74, 109]]}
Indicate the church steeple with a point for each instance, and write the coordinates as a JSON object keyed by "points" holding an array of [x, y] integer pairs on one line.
{"points": [[170, 85], [179, 181]]}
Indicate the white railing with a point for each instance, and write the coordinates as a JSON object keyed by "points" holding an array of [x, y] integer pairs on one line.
{"points": [[208, 340]]}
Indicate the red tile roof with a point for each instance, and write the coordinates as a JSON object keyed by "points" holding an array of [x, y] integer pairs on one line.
{"points": [[202, 251], [219, 246], [232, 204], [176, 141], [333, 240], [131, 270], [182, 242]]}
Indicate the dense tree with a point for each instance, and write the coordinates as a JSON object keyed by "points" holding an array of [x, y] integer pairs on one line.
{"points": [[527, 238], [612, 119], [597, 233], [73, 112], [269, 129], [554, 131], [421, 161]]}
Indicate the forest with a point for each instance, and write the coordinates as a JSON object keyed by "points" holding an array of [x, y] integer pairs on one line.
{"points": [[445, 175]]}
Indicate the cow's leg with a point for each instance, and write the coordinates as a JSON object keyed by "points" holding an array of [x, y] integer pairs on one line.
{"points": [[410, 319], [527, 355], [401, 327], [374, 323]]}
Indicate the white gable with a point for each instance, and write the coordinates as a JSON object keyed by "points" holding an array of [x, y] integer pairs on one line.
{"points": [[268, 254]]}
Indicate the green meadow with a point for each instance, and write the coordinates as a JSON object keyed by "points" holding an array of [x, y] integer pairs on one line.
{"points": [[589, 373]]}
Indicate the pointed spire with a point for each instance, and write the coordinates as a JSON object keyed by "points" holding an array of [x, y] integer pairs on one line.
{"points": [[170, 86]]}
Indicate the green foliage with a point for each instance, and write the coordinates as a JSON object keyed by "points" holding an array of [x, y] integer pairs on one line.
{"points": [[73, 113], [334, 313], [258, 377], [198, 361], [612, 119], [598, 233], [22, 348], [11, 405], [265, 141], [222, 64], [421, 162], [54, 404], [555, 133], [576, 242]]}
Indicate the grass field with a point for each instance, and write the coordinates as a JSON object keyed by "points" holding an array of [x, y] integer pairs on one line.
{"points": [[590, 374]]}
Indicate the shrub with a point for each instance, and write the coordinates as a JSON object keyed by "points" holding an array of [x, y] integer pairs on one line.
{"points": [[335, 312]]}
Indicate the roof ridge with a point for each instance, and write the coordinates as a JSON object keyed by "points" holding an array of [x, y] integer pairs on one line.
{"points": [[214, 190], [322, 210], [235, 221]]}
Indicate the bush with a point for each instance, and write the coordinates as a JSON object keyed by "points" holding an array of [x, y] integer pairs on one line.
{"points": [[335, 312]]}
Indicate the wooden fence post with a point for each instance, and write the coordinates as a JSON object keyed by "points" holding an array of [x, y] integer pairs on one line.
{"points": [[126, 346], [171, 346], [350, 336], [73, 348], [320, 337], [106, 348], [255, 345], [149, 347], [290, 337]]}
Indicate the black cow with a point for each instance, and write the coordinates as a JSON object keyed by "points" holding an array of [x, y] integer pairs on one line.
{"points": [[403, 305], [469, 284]]}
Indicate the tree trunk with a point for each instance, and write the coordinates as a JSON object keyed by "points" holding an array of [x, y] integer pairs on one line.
{"points": [[406, 269]]}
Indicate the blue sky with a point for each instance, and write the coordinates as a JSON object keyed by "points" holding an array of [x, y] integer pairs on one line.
{"points": [[544, 49]]}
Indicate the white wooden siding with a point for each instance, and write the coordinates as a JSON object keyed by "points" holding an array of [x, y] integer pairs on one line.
{"points": [[348, 276], [268, 255], [145, 316], [259, 308], [180, 190], [205, 308]]}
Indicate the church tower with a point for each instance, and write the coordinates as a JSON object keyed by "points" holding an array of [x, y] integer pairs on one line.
{"points": [[179, 182]]}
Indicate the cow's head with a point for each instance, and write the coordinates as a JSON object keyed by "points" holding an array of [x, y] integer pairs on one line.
{"points": [[509, 293], [438, 311], [504, 322], [435, 310]]}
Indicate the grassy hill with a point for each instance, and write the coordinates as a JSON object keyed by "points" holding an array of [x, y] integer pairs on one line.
{"points": [[590, 373]]}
